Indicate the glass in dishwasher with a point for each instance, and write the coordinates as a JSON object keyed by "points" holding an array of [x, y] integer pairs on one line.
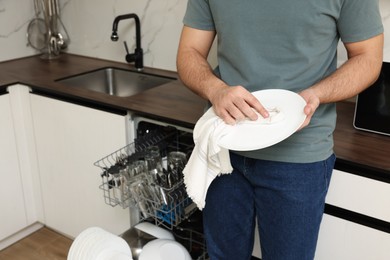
{"points": [[135, 168], [142, 194], [156, 173], [176, 163]]}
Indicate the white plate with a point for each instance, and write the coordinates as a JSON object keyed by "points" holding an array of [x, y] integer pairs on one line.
{"points": [[113, 255], [106, 241], [154, 230], [93, 241], [78, 247], [164, 249], [247, 136]]}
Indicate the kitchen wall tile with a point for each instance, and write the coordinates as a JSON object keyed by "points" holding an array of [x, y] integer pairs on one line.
{"points": [[90, 27], [14, 18]]}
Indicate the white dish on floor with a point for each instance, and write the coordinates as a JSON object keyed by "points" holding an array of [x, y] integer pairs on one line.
{"points": [[106, 241], [247, 136], [78, 248], [95, 243]]}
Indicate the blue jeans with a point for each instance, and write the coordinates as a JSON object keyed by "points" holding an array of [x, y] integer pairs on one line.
{"points": [[286, 198]]}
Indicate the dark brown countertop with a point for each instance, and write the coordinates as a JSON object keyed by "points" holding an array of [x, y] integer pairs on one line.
{"points": [[359, 147], [174, 103]]}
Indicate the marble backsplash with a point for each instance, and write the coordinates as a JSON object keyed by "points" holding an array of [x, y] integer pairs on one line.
{"points": [[89, 24]]}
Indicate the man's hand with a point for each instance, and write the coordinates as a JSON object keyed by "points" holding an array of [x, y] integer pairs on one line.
{"points": [[312, 103], [231, 103], [235, 103]]}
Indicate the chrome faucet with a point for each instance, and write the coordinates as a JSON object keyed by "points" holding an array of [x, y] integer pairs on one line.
{"points": [[137, 56]]}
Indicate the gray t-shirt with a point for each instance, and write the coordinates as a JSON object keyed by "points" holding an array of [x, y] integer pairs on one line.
{"points": [[288, 44]]}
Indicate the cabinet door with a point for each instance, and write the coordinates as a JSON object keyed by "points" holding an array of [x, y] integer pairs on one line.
{"points": [[69, 139], [359, 194], [343, 240], [12, 206], [340, 239]]}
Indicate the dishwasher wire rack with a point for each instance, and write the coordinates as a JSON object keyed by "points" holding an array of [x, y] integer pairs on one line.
{"points": [[193, 241], [169, 206]]}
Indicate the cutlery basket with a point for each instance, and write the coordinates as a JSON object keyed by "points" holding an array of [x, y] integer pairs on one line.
{"points": [[157, 193]]}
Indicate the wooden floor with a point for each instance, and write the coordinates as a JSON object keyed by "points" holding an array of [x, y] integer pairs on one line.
{"points": [[44, 244]]}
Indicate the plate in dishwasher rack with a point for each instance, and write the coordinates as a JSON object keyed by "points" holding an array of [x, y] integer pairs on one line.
{"points": [[162, 249], [286, 116]]}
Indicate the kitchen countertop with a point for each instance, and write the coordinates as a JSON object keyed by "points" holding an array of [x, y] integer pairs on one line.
{"points": [[174, 103], [171, 101], [360, 148]]}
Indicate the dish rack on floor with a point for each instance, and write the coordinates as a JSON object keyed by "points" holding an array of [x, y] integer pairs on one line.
{"points": [[167, 204]]}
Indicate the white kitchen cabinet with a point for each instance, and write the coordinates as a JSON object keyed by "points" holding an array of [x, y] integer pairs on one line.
{"points": [[20, 198], [360, 194], [343, 240], [69, 139], [12, 205]]}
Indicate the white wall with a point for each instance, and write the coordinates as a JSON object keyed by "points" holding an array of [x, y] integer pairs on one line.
{"points": [[385, 12], [89, 23], [14, 18]]}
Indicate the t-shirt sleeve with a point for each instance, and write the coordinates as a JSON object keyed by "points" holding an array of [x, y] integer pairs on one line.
{"points": [[198, 15], [359, 20]]}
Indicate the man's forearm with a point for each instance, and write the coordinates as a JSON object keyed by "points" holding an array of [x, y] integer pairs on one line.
{"points": [[355, 75], [350, 79], [195, 72]]}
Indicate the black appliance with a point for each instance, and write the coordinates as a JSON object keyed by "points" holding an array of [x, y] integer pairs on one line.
{"points": [[372, 110]]}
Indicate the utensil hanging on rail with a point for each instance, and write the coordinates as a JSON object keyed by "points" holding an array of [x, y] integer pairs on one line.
{"points": [[48, 34], [36, 30], [60, 31]]}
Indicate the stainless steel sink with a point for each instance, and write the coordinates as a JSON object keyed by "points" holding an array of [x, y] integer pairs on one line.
{"points": [[115, 81]]}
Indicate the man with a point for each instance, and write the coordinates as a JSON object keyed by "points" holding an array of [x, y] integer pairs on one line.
{"points": [[285, 44]]}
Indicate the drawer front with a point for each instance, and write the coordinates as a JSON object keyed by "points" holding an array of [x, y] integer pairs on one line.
{"points": [[340, 240], [359, 194]]}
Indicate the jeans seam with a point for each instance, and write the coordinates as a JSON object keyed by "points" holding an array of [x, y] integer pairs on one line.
{"points": [[244, 170], [325, 173], [248, 166], [327, 169]]}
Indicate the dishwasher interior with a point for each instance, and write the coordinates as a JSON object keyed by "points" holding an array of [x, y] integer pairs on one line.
{"points": [[146, 176]]}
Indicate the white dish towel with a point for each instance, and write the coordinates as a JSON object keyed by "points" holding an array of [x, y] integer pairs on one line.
{"points": [[208, 159]]}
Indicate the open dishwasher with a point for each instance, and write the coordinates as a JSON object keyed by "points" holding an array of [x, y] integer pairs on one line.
{"points": [[146, 177]]}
